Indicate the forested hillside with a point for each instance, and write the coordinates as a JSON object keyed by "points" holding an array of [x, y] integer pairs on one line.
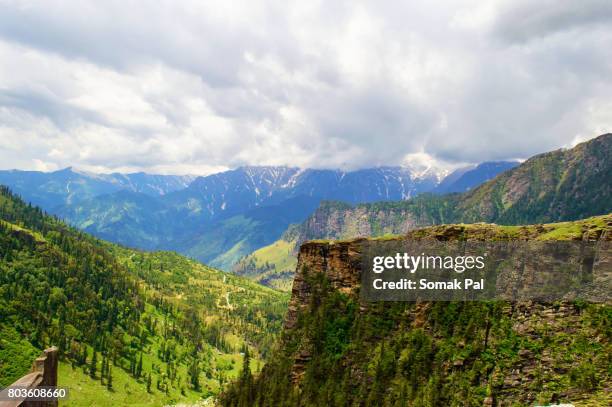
{"points": [[156, 326], [339, 349]]}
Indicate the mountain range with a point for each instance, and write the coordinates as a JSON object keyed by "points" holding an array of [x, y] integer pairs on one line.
{"points": [[137, 327], [566, 184], [222, 217]]}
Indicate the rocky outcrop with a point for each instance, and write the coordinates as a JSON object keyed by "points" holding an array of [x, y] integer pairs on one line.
{"points": [[509, 382], [340, 262]]}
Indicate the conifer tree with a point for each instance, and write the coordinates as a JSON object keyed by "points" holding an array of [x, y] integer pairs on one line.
{"points": [[94, 365], [109, 379], [139, 367]]}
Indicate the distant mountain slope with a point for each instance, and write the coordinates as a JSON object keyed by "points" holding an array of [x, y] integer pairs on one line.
{"points": [[559, 185], [272, 265], [147, 317], [68, 186], [217, 218], [555, 186], [221, 244], [126, 217], [232, 192], [464, 179]]}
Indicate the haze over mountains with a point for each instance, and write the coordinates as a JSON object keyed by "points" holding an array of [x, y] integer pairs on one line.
{"points": [[221, 217]]}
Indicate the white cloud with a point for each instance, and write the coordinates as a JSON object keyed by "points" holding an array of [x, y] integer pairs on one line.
{"points": [[202, 86]]}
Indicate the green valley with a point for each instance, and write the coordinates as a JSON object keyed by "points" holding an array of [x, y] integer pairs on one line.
{"points": [[132, 327], [272, 265]]}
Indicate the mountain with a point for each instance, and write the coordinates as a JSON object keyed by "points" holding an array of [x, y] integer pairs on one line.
{"points": [[338, 349], [464, 179], [555, 186], [233, 192], [222, 243], [131, 218], [64, 187], [216, 219], [155, 326]]}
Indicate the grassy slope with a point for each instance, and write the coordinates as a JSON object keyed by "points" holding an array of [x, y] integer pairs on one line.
{"points": [[182, 282], [272, 265]]}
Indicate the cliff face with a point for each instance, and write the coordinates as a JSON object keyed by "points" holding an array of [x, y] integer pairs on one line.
{"points": [[340, 263], [494, 353]]}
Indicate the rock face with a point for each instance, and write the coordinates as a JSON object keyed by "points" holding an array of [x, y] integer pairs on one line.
{"points": [[508, 353], [339, 262]]}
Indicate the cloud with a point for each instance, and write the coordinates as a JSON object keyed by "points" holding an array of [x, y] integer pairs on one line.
{"points": [[202, 86], [519, 21]]}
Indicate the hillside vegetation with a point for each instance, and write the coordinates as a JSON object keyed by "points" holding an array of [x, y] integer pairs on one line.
{"points": [[339, 350], [162, 327]]}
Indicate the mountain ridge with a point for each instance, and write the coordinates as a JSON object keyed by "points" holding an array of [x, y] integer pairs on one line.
{"points": [[217, 218], [147, 317], [565, 184]]}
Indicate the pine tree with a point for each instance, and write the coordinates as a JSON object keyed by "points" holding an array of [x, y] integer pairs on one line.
{"points": [[246, 380], [194, 374], [102, 370], [109, 379], [149, 383], [139, 367], [83, 359], [94, 365]]}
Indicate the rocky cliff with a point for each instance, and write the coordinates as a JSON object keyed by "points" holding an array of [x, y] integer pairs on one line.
{"points": [[340, 350]]}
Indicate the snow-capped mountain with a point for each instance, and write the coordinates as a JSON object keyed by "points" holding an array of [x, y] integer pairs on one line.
{"points": [[220, 217]]}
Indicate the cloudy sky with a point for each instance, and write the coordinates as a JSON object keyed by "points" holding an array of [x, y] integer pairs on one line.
{"points": [[196, 87]]}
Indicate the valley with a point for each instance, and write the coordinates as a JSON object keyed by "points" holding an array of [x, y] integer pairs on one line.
{"points": [[146, 326], [130, 325], [305, 204], [555, 186]]}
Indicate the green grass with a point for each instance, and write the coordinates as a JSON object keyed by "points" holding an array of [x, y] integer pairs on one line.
{"points": [[279, 253], [16, 355], [273, 265], [85, 391]]}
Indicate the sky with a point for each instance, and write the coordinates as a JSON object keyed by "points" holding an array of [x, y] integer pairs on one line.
{"points": [[195, 87]]}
